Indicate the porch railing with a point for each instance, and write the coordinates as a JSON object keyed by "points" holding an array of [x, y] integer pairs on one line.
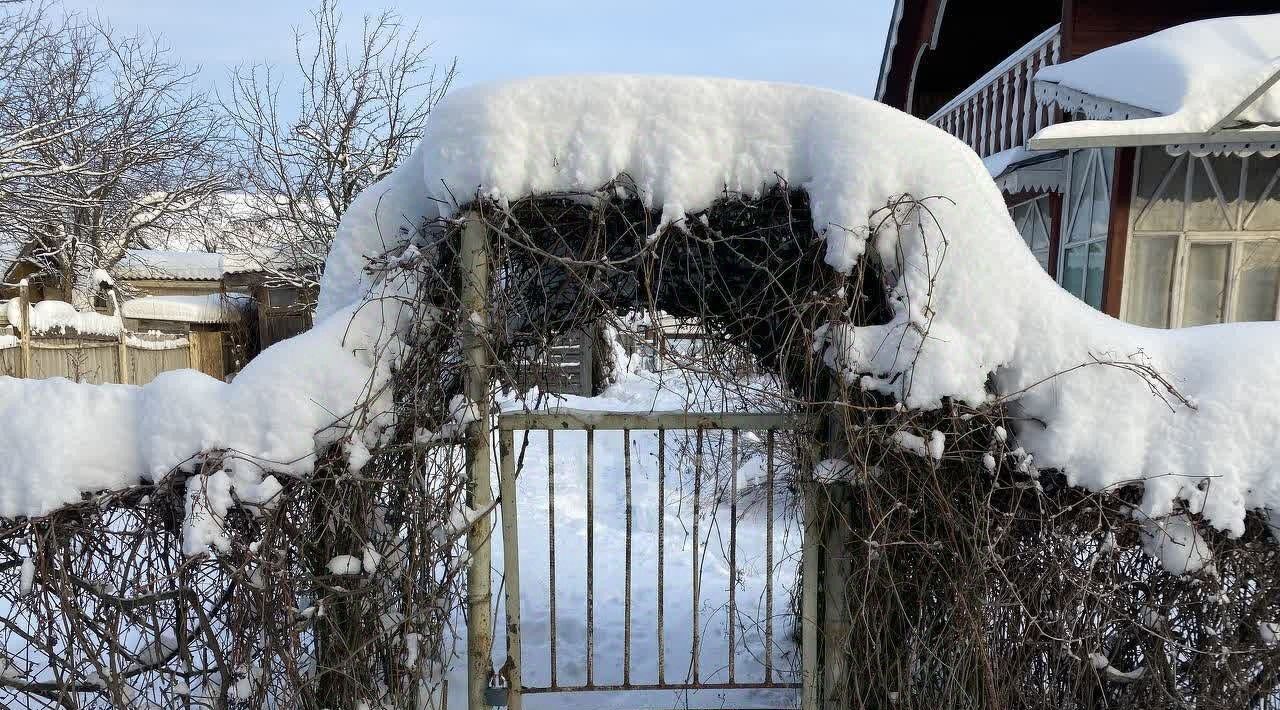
{"points": [[999, 111]]}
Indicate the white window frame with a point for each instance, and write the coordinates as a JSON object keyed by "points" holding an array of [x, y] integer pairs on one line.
{"points": [[1070, 212], [1043, 211], [1185, 239]]}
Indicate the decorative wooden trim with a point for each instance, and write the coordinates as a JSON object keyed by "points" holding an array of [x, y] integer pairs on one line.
{"points": [[1118, 231]]}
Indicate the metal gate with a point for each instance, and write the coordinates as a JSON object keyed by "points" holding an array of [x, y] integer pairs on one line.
{"points": [[763, 430]]}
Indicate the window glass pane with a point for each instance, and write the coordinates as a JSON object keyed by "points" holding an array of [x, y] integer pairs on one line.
{"points": [[1204, 208], [1094, 279], [1151, 280], [1263, 203], [1021, 219], [1101, 197], [1073, 271], [1163, 211], [1206, 283], [1080, 200], [1040, 226], [1258, 281]]}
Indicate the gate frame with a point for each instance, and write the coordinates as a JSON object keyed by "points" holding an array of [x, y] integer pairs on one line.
{"points": [[568, 419]]}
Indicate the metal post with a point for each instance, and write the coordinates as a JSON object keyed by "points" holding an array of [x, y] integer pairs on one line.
{"points": [[809, 567], [510, 564], [473, 266]]}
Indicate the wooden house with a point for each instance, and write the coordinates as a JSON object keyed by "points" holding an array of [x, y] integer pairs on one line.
{"points": [[1135, 142]]}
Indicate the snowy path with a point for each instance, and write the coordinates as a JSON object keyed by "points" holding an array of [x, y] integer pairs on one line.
{"points": [[713, 540]]}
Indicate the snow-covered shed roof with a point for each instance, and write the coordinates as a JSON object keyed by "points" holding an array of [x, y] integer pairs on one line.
{"points": [[1210, 81], [210, 308], [971, 304], [180, 265]]}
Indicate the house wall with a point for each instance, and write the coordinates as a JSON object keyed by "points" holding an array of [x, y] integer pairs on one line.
{"points": [[1090, 25]]}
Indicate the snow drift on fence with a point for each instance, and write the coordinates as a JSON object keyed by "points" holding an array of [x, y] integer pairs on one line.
{"points": [[969, 298], [285, 405], [966, 280], [1189, 76], [60, 317]]}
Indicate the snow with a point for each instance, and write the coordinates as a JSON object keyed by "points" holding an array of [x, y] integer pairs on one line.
{"points": [[344, 564], [683, 140], [60, 317], [1175, 542], [211, 308], [1075, 374], [1187, 78], [26, 576]]}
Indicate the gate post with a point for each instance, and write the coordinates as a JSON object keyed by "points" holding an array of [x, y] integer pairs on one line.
{"points": [[473, 276], [510, 564]]}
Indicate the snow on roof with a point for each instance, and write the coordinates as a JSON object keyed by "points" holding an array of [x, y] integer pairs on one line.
{"points": [[1068, 370], [1180, 82], [180, 265], [210, 308]]}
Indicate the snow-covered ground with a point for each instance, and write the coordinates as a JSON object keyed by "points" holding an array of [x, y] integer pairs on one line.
{"points": [[646, 391]]}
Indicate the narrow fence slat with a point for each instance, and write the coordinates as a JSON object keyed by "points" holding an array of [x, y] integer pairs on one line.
{"points": [[551, 543], [580, 419], [24, 318], [510, 566], [591, 557], [626, 630]]}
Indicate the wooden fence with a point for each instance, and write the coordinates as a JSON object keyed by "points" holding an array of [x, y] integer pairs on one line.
{"points": [[129, 358]]}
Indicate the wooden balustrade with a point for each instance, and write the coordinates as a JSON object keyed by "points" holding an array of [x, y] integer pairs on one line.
{"points": [[999, 111]]}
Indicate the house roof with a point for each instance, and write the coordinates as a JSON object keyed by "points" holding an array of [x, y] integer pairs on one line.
{"points": [[1211, 81], [180, 265]]}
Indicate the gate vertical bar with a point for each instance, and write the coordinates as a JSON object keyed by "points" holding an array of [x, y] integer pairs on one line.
{"points": [[662, 536], [810, 558], [551, 547], [626, 632], [591, 557], [733, 550], [510, 564], [473, 265]]}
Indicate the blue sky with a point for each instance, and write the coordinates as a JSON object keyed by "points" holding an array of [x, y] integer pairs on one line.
{"points": [[830, 43]]}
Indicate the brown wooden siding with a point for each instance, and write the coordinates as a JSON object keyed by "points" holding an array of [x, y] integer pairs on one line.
{"points": [[1118, 231], [1090, 25]]}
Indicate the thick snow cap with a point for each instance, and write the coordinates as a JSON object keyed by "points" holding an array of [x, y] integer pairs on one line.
{"points": [[969, 298], [990, 306]]}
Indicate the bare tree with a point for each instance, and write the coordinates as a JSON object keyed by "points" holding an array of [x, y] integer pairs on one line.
{"points": [[127, 150], [359, 111]]}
